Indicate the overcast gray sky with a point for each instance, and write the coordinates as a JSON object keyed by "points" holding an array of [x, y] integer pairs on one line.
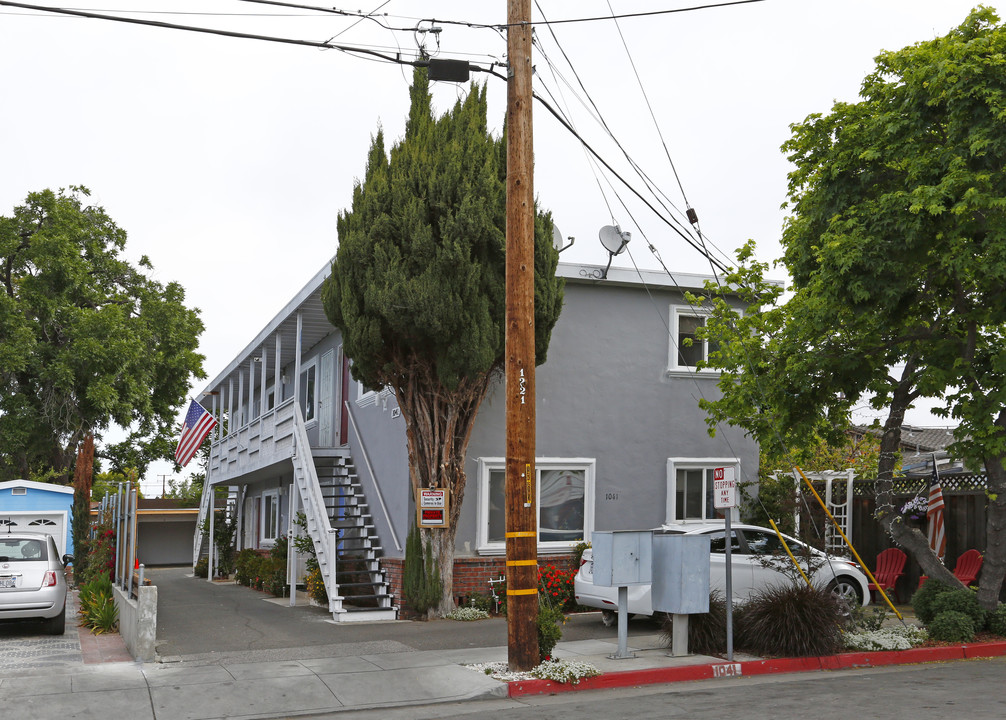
{"points": [[227, 160]]}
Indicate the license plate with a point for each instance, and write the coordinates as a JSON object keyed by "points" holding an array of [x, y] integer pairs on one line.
{"points": [[8, 582]]}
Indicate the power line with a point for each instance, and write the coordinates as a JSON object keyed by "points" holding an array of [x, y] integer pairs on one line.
{"points": [[566, 21]]}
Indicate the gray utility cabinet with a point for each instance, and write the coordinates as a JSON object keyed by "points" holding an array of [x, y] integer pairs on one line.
{"points": [[680, 574], [622, 557]]}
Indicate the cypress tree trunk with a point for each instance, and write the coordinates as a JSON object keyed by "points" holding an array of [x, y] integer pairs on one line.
{"points": [[439, 424]]}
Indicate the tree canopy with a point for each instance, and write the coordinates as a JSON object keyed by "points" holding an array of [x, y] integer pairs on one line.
{"points": [[418, 284], [86, 340], [897, 249]]}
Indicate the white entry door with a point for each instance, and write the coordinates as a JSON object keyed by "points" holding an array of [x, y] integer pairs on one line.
{"points": [[326, 400]]}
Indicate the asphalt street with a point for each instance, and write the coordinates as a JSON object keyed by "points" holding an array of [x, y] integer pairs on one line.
{"points": [[937, 691]]}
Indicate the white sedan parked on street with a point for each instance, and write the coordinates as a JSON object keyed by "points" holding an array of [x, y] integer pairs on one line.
{"points": [[750, 547]]}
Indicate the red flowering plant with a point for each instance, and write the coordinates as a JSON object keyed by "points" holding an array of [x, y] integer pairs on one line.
{"points": [[556, 586]]}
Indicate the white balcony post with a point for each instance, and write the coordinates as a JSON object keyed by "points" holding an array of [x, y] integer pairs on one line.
{"points": [[278, 372], [296, 359], [241, 397], [291, 550], [230, 403], [333, 537], [264, 400]]}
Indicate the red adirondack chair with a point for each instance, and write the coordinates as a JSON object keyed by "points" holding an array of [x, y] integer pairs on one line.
{"points": [[968, 566], [890, 568]]}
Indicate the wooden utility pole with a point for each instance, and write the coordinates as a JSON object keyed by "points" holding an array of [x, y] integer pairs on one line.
{"points": [[521, 485]]}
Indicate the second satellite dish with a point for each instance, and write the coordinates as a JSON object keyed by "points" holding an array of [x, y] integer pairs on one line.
{"points": [[613, 239]]}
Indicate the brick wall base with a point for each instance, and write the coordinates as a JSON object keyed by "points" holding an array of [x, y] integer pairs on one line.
{"points": [[471, 575]]}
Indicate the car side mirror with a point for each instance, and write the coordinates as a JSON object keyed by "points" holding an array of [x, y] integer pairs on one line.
{"points": [[67, 559]]}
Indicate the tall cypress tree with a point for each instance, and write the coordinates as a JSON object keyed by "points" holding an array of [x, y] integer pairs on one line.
{"points": [[418, 286]]}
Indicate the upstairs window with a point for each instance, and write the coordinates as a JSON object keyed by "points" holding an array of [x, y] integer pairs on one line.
{"points": [[687, 349]]}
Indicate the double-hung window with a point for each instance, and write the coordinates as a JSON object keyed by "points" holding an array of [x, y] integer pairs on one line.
{"points": [[690, 488], [270, 516], [564, 491], [686, 348]]}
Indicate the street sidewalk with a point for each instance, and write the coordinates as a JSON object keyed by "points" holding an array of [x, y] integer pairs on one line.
{"points": [[232, 688]]}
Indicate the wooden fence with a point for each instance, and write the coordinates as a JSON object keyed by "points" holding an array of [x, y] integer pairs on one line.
{"points": [[964, 520]]}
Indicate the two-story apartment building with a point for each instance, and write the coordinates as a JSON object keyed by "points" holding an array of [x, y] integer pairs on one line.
{"points": [[621, 442]]}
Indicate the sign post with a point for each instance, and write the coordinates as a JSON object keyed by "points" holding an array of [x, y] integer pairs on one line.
{"points": [[725, 498]]}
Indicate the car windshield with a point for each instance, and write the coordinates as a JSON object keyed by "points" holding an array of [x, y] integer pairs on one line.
{"points": [[22, 550]]}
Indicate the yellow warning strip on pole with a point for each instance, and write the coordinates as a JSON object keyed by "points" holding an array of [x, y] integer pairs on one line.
{"points": [[854, 553], [520, 563], [522, 534], [789, 552], [532, 591]]}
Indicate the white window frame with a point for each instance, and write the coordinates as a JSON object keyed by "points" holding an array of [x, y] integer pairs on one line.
{"points": [[265, 539], [685, 463], [674, 367], [366, 397], [310, 365], [587, 465]]}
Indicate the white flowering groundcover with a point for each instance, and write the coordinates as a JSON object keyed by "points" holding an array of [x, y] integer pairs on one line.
{"points": [[896, 637], [563, 671], [467, 614]]}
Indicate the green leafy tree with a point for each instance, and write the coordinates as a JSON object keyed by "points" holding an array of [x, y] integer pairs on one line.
{"points": [[417, 287], [189, 489], [86, 340], [897, 250], [777, 488]]}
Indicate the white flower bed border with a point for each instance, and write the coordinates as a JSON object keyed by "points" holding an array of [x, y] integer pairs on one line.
{"points": [[896, 637], [563, 671]]}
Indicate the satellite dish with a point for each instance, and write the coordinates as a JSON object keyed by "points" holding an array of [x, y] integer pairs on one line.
{"points": [[557, 239], [613, 239]]}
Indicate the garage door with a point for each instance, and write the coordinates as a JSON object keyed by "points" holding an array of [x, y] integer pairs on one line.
{"points": [[51, 523]]}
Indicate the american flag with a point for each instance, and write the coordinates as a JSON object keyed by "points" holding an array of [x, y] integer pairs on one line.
{"points": [[937, 536], [197, 425]]}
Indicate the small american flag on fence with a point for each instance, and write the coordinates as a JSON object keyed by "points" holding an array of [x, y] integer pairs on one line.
{"points": [[197, 425], [937, 534]]}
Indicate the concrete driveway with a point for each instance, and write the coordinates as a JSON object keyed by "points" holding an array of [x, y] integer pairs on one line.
{"points": [[197, 619]]}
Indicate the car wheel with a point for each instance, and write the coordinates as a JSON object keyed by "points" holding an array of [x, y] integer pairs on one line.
{"points": [[609, 617], [56, 625], [848, 590]]}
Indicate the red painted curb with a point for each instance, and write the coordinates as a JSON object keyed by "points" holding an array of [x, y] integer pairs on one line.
{"points": [[843, 661]]}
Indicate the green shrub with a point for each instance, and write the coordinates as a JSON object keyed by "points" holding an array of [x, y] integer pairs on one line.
{"points": [[550, 621], [791, 621], [707, 632], [316, 586], [244, 566], [963, 601], [97, 605], [952, 626], [202, 568], [996, 620], [868, 619], [922, 600], [420, 575], [479, 601]]}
